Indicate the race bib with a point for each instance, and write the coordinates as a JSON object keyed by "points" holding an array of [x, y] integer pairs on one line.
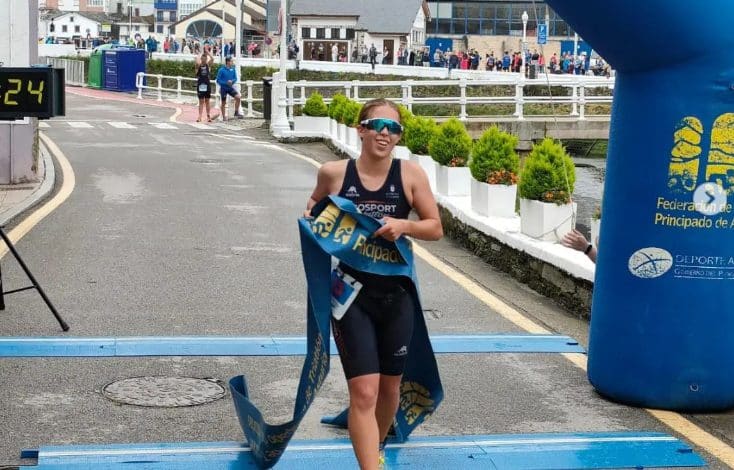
{"points": [[203, 87], [344, 289]]}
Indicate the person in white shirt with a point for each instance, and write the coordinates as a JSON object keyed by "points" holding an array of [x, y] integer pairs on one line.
{"points": [[334, 53]]}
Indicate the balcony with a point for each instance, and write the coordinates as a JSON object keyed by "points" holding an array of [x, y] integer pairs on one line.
{"points": [[165, 4]]}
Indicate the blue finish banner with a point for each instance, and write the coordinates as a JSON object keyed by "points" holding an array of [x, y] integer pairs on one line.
{"points": [[338, 229], [662, 323]]}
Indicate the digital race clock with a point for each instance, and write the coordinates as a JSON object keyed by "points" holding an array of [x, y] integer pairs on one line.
{"points": [[31, 92]]}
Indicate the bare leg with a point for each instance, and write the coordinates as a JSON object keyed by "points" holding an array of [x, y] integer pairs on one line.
{"points": [[208, 109], [237, 105], [224, 108], [201, 109], [387, 403], [363, 428]]}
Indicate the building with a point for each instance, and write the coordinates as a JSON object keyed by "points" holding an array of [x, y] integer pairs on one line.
{"points": [[218, 20], [166, 14], [187, 7], [496, 25], [67, 27], [354, 24]]}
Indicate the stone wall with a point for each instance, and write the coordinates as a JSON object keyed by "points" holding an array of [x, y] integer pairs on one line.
{"points": [[572, 293]]}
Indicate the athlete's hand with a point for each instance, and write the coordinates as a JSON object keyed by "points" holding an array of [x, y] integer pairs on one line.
{"points": [[307, 214], [392, 229]]}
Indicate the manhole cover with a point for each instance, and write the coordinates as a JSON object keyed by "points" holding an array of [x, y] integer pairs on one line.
{"points": [[164, 392], [207, 161]]}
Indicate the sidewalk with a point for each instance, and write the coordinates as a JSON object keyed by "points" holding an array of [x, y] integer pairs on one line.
{"points": [[18, 198]]}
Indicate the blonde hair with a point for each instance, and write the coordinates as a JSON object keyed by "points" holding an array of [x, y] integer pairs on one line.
{"points": [[367, 108]]}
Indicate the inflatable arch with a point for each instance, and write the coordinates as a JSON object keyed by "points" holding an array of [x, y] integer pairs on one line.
{"points": [[663, 308]]}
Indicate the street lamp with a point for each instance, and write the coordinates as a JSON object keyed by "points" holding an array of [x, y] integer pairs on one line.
{"points": [[130, 20], [525, 18], [280, 124]]}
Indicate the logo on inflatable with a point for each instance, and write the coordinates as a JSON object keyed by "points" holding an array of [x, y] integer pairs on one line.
{"points": [[649, 263]]}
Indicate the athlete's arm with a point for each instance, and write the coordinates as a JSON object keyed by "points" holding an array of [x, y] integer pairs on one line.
{"points": [[429, 226], [329, 174]]}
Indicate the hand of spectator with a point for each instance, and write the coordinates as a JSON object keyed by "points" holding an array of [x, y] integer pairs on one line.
{"points": [[576, 240]]}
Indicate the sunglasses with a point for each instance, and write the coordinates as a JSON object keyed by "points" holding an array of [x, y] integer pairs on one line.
{"points": [[378, 124]]}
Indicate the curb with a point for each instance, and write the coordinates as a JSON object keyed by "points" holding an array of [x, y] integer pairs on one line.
{"points": [[40, 193]]}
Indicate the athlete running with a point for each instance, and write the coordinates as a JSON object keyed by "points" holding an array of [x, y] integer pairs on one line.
{"points": [[374, 335]]}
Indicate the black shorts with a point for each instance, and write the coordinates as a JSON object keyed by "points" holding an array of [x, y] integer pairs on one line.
{"points": [[374, 335], [203, 90], [224, 91]]}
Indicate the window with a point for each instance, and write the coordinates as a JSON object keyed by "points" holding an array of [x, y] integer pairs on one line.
{"points": [[320, 33], [77, 29], [335, 33], [137, 27], [472, 26], [172, 16], [52, 28], [137, 12], [306, 33], [71, 19], [159, 28], [350, 33], [63, 28], [159, 15], [204, 29], [444, 26]]}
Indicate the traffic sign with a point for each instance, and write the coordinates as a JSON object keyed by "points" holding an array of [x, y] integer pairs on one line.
{"points": [[542, 33]]}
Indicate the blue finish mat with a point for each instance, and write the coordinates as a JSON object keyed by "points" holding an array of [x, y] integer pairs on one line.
{"points": [[260, 346], [494, 452]]}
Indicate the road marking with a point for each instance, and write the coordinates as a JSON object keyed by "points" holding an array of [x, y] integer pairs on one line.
{"points": [[121, 125], [79, 124], [677, 422], [175, 114], [69, 181], [163, 125], [200, 125], [43, 125]]}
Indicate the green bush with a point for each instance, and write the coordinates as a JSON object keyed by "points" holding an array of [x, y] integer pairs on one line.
{"points": [[548, 175], [315, 106], [350, 113], [336, 106], [451, 144], [417, 134], [493, 157]]}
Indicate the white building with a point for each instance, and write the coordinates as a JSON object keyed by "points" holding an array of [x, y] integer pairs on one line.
{"points": [[350, 24], [187, 7], [65, 26]]}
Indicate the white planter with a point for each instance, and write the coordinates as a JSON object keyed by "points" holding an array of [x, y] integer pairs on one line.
{"points": [[546, 220], [453, 181], [352, 137], [595, 231], [402, 152], [493, 200], [333, 128], [341, 133], [429, 166], [311, 125]]}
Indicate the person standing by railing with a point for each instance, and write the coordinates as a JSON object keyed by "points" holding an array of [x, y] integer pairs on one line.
{"points": [[203, 83]]}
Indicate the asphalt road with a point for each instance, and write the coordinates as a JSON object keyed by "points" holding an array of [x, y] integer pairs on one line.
{"points": [[185, 231]]}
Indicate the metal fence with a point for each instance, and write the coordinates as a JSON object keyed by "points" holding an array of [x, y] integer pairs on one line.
{"points": [[184, 88], [74, 70], [557, 97]]}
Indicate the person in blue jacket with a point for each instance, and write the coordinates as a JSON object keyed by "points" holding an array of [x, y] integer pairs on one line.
{"points": [[226, 79]]}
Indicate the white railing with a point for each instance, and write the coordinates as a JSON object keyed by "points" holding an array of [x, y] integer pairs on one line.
{"points": [[576, 98], [365, 68], [74, 70], [186, 88]]}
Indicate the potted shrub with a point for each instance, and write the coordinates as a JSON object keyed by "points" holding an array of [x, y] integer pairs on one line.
{"points": [[315, 118], [494, 167], [401, 150], [417, 134], [595, 226], [450, 147], [546, 186], [335, 110], [350, 119]]}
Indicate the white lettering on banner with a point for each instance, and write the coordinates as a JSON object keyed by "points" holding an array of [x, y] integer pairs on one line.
{"points": [[377, 210]]}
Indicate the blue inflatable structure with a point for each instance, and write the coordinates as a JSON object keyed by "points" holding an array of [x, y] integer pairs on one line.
{"points": [[662, 321]]}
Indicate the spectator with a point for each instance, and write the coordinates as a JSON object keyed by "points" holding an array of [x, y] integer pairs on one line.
{"points": [[227, 78], [576, 240]]}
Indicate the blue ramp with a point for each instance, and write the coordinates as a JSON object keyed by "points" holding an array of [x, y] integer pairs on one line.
{"points": [[260, 346], [498, 452]]}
